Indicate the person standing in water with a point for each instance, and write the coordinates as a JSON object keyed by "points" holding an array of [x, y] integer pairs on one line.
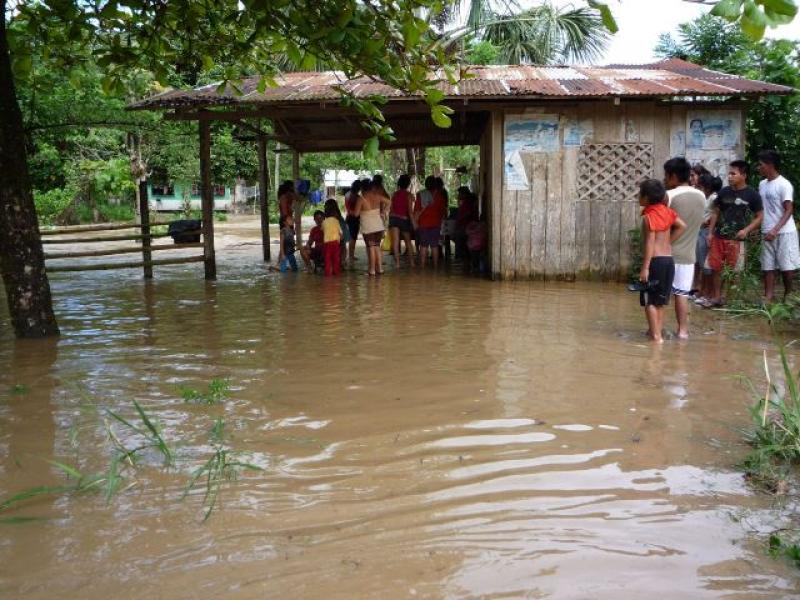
{"points": [[660, 227], [350, 201], [332, 235], [400, 219], [690, 205], [370, 209], [779, 250], [429, 212], [736, 212]]}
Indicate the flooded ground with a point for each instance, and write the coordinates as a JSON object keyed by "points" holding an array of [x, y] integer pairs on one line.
{"points": [[421, 435]]}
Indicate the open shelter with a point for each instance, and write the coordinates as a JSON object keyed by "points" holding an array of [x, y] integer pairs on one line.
{"points": [[562, 149]]}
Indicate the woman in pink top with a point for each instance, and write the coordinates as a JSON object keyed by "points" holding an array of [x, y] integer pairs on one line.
{"points": [[400, 219]]}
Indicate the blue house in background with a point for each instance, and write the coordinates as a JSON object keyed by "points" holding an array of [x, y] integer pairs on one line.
{"points": [[170, 197]]}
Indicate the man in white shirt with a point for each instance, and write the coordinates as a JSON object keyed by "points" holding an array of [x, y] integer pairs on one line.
{"points": [[780, 249], [690, 205]]}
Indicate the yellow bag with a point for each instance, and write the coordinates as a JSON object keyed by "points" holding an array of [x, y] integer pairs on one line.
{"points": [[386, 243]]}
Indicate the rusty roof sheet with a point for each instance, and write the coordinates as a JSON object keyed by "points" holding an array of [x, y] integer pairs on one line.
{"points": [[668, 78]]}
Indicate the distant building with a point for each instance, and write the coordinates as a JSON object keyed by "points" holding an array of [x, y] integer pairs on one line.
{"points": [[170, 197]]}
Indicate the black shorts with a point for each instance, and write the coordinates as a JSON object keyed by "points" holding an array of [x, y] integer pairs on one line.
{"points": [[404, 225], [353, 225], [659, 282]]}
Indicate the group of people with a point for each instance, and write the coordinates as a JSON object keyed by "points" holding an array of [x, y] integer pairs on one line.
{"points": [[415, 219], [694, 228]]}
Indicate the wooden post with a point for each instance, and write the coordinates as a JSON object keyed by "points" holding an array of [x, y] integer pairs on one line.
{"points": [[144, 213], [298, 207], [263, 195], [207, 200]]}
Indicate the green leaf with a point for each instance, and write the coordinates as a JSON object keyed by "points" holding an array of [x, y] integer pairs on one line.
{"points": [[786, 8], [434, 96], [609, 22], [753, 22], [774, 19], [411, 33], [23, 64], [439, 116], [308, 63], [728, 9], [371, 147], [208, 63], [69, 471], [293, 52]]}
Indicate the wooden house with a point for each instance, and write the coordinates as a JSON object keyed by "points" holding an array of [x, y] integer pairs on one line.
{"points": [[563, 149]]}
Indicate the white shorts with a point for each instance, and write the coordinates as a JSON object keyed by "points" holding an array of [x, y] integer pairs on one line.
{"points": [[682, 283], [782, 253]]}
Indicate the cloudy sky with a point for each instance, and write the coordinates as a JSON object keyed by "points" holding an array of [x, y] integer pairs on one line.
{"points": [[641, 21]]}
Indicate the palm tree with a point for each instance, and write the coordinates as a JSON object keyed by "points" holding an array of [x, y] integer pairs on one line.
{"points": [[542, 35]]}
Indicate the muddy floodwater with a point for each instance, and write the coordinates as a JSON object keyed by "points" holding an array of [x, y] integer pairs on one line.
{"points": [[420, 435]]}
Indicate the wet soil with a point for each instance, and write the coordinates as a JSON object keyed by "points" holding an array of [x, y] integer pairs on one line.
{"points": [[422, 435]]}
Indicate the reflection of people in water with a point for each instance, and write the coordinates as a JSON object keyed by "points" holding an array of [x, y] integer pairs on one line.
{"points": [[696, 134]]}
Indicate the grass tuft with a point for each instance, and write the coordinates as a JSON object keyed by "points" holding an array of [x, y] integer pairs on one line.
{"points": [[222, 467], [218, 391]]}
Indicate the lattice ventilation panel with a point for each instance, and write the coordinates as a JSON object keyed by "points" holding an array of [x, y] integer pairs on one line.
{"points": [[612, 172]]}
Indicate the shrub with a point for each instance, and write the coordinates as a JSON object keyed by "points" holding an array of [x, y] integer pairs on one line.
{"points": [[50, 204]]}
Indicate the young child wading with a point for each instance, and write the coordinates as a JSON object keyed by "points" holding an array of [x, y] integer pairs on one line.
{"points": [[660, 227]]}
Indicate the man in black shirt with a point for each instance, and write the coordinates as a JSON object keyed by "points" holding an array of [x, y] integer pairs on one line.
{"points": [[736, 212]]}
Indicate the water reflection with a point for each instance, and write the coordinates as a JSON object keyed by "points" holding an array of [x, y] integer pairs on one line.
{"points": [[421, 435]]}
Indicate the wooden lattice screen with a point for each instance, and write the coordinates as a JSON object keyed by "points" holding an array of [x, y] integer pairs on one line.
{"points": [[612, 172]]}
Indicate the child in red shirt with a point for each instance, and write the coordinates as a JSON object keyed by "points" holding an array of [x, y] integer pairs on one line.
{"points": [[660, 227]]}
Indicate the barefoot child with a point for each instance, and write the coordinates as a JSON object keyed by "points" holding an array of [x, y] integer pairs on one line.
{"points": [[332, 235], [286, 257], [660, 227]]}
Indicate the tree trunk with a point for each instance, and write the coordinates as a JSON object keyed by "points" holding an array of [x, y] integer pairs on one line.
{"points": [[21, 256], [415, 158]]}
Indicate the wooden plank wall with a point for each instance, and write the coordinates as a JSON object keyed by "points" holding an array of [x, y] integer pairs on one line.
{"points": [[546, 231]]}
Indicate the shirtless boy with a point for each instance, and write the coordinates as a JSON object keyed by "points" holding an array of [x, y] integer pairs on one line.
{"points": [[660, 227]]}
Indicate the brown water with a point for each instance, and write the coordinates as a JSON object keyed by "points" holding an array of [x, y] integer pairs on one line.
{"points": [[422, 436]]}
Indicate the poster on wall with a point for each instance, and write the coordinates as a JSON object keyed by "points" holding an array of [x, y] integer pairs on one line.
{"points": [[716, 161], [677, 143], [524, 133], [578, 132], [712, 130]]}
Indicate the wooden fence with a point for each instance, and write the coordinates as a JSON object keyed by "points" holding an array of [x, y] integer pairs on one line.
{"points": [[66, 235]]}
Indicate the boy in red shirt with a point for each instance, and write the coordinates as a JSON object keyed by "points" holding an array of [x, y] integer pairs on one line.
{"points": [[312, 251], [660, 227]]}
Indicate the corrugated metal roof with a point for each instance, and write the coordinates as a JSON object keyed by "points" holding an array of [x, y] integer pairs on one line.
{"points": [[673, 77]]}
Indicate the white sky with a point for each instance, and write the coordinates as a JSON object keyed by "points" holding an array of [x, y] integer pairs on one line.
{"points": [[641, 21]]}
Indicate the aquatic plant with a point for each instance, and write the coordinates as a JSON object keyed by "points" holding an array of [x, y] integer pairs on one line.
{"points": [[150, 432], [144, 435], [780, 547], [774, 434], [18, 389], [218, 391], [218, 430], [223, 466], [80, 484]]}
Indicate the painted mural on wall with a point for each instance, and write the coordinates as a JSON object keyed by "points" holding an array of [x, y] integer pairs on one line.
{"points": [[713, 139], [578, 131], [526, 133], [712, 130]]}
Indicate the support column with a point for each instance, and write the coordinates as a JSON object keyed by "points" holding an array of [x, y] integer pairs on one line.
{"points": [[298, 206], [144, 214], [263, 195], [207, 199]]}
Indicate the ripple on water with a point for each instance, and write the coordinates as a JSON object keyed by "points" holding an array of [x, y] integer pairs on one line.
{"points": [[394, 420]]}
